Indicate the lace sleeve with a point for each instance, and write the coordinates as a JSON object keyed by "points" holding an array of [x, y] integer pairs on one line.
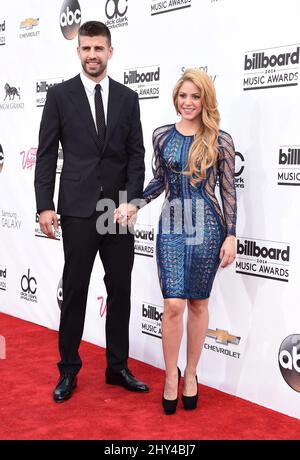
{"points": [[227, 181], [157, 184]]}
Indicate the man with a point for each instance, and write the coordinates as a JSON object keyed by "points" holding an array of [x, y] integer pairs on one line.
{"points": [[100, 132]]}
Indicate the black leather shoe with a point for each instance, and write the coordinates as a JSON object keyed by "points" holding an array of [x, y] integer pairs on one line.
{"points": [[125, 379], [190, 402], [170, 405], [66, 384]]}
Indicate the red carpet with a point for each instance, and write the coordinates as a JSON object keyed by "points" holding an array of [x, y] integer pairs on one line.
{"points": [[100, 411]]}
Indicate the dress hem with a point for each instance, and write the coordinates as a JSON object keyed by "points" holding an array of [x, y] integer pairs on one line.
{"points": [[187, 298]]}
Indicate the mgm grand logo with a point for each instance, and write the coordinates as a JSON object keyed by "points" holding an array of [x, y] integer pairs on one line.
{"points": [[12, 98], [11, 92]]}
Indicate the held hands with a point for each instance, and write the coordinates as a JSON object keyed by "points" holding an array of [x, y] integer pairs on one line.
{"points": [[228, 251], [48, 222], [125, 214]]}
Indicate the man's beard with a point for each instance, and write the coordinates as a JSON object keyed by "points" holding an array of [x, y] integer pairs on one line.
{"points": [[94, 72]]}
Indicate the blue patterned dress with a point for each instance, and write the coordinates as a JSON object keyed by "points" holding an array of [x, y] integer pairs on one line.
{"points": [[192, 227]]}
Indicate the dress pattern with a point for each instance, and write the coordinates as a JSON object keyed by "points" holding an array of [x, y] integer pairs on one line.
{"points": [[192, 226]]}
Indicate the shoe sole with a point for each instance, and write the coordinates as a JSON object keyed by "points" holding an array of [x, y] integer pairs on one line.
{"points": [[127, 388]]}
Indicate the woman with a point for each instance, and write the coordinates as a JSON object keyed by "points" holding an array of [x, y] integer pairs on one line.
{"points": [[194, 235]]}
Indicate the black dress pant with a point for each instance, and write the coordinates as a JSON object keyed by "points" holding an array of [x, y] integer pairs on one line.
{"points": [[81, 242]]}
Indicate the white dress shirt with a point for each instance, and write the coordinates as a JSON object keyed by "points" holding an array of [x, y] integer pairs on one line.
{"points": [[89, 86]]}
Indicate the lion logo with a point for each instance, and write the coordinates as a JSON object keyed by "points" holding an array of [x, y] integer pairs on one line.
{"points": [[11, 92]]}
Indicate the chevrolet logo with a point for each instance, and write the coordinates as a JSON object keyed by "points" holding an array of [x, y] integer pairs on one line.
{"points": [[29, 23], [223, 337]]}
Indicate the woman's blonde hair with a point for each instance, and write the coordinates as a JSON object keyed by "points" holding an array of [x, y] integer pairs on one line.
{"points": [[203, 152]]}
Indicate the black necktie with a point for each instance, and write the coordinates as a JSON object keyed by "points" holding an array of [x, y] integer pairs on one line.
{"points": [[100, 118]]}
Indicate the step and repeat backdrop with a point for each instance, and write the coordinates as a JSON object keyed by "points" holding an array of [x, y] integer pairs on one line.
{"points": [[251, 50]]}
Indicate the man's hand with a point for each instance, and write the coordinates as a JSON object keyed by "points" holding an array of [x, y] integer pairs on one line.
{"points": [[228, 251], [48, 221], [126, 214]]}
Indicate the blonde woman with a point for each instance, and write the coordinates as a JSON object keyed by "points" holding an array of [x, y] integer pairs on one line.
{"points": [[195, 236]]}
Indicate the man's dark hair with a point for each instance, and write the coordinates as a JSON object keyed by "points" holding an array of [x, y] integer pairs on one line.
{"points": [[93, 29]]}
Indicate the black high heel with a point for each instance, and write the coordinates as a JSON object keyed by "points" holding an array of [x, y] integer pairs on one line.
{"points": [[170, 405], [190, 402]]}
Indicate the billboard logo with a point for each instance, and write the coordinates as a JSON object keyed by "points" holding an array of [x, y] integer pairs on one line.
{"points": [[159, 7], [144, 80], [289, 165], [272, 67], [144, 240], [263, 259], [151, 320], [42, 87]]}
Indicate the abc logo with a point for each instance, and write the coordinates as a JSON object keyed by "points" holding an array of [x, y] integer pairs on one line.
{"points": [[289, 361], [59, 294], [70, 18]]}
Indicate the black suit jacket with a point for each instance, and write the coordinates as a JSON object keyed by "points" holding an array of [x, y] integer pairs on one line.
{"points": [[87, 168]]}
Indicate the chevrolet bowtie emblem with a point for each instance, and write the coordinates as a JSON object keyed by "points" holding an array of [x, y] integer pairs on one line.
{"points": [[29, 23], [223, 337]]}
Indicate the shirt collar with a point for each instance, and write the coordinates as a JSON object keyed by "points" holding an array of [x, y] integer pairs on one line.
{"points": [[90, 84]]}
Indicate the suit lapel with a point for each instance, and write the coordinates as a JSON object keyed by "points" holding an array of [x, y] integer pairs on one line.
{"points": [[80, 101], [115, 100]]}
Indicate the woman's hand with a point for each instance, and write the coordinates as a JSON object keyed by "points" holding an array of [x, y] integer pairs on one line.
{"points": [[125, 214], [228, 251]]}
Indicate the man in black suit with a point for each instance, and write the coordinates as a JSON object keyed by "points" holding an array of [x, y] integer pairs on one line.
{"points": [[100, 131]]}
